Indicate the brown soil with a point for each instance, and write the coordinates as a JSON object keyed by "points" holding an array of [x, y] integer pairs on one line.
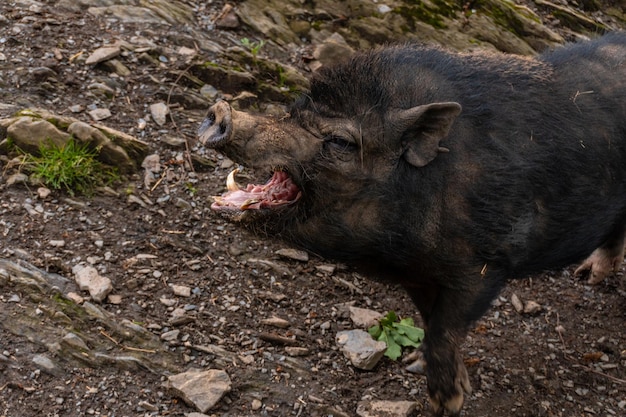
{"points": [[568, 359]]}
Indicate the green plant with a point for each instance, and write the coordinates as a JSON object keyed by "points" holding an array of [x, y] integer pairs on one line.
{"points": [[191, 189], [253, 46], [72, 167], [397, 334]]}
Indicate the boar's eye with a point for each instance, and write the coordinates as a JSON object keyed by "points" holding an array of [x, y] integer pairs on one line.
{"points": [[339, 143]]}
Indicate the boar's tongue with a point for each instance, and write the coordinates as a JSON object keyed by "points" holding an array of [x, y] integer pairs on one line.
{"points": [[278, 191]]}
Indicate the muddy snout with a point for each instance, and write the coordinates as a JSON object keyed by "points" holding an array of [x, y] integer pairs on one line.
{"points": [[217, 125]]}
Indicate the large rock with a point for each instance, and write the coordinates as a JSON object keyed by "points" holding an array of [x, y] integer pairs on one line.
{"points": [[170, 12], [31, 129], [30, 134], [493, 24]]}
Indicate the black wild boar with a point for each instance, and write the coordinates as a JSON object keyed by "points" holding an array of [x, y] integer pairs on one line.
{"points": [[446, 173]]}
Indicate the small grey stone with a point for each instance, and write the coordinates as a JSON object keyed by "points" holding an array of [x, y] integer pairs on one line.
{"points": [[171, 335], [182, 204], [209, 91], [159, 112], [47, 365], [72, 340], [100, 114]]}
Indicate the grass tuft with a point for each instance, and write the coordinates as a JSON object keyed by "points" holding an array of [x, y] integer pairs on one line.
{"points": [[72, 167]]}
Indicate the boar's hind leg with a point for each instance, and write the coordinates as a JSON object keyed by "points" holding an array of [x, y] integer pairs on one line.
{"points": [[606, 259], [447, 315]]}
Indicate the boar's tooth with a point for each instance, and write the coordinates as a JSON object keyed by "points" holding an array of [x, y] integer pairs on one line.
{"points": [[246, 204], [231, 184]]}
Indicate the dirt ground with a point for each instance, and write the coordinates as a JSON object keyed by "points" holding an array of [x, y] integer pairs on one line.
{"points": [[567, 359]]}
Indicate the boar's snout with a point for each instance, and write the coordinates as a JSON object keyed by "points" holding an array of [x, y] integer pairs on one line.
{"points": [[217, 126]]}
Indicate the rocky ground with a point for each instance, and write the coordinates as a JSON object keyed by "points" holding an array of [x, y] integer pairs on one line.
{"points": [[184, 290]]}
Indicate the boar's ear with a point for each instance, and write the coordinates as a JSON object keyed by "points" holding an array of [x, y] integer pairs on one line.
{"points": [[422, 128]]}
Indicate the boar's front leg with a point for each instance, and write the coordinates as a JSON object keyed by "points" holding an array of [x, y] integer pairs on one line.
{"points": [[447, 314], [606, 259]]}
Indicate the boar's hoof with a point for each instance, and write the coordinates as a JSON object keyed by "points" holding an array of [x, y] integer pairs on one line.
{"points": [[600, 264], [217, 126], [452, 402]]}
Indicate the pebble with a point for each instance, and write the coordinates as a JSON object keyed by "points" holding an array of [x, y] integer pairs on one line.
{"points": [[47, 365], [115, 299], [88, 278], [147, 406], [181, 290], [43, 192], [75, 297], [209, 91], [100, 114], [532, 307], [296, 254], [517, 303], [71, 339], [326, 269], [159, 112], [276, 322], [296, 351], [256, 405], [19, 178], [171, 335], [169, 302], [363, 317]]}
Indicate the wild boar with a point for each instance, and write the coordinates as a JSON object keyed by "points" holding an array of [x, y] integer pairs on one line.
{"points": [[447, 173]]}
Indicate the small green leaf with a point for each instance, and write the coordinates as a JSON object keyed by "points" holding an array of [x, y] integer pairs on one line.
{"points": [[375, 331], [394, 350], [396, 334]]}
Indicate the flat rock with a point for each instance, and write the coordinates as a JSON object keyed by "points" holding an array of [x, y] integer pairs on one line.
{"points": [[200, 389], [103, 54], [46, 364], [100, 114], [295, 254], [30, 134], [359, 347], [276, 322], [385, 408], [363, 317]]}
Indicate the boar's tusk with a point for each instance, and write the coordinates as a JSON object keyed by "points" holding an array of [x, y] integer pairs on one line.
{"points": [[231, 184]]}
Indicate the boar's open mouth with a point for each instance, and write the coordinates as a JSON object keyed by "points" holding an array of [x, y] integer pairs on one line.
{"points": [[278, 192]]}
